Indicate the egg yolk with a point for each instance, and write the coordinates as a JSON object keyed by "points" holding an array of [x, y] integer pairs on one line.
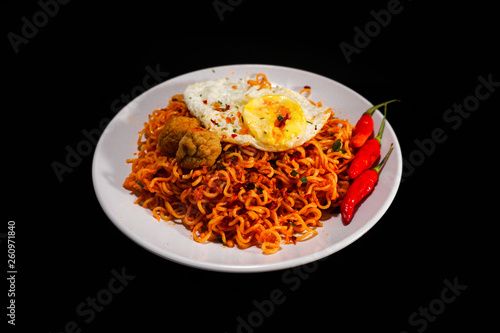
{"points": [[274, 119]]}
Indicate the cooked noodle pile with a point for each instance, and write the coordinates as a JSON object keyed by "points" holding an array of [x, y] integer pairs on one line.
{"points": [[248, 197]]}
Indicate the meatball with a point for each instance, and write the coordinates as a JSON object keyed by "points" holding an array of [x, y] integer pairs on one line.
{"points": [[173, 131], [199, 147]]}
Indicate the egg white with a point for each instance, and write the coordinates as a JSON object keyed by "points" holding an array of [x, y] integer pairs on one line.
{"points": [[201, 97]]}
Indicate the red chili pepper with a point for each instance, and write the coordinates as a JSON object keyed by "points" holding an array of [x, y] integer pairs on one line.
{"points": [[368, 153], [364, 126], [360, 188]]}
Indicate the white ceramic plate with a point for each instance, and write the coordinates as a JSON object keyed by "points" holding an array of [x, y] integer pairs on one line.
{"points": [[173, 241]]}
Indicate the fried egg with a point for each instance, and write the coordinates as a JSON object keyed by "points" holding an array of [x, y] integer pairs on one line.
{"points": [[270, 119]]}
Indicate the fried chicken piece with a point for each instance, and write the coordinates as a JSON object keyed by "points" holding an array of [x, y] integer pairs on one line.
{"points": [[198, 147], [173, 131]]}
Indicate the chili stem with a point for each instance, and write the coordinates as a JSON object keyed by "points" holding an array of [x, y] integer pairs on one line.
{"points": [[384, 160], [373, 108], [382, 126]]}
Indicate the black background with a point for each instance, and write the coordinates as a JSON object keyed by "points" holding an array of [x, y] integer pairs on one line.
{"points": [[65, 78]]}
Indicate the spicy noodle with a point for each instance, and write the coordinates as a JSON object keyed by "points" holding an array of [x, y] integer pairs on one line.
{"points": [[249, 197]]}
